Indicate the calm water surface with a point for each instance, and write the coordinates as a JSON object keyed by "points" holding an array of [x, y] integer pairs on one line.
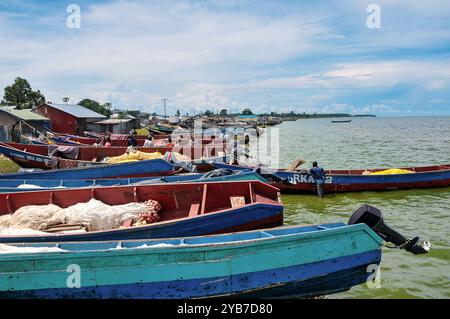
{"points": [[371, 143]]}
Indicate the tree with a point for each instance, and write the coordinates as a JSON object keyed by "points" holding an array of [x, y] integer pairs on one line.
{"points": [[247, 112], [208, 113], [178, 113], [66, 100], [223, 112], [108, 105], [96, 106], [21, 94]]}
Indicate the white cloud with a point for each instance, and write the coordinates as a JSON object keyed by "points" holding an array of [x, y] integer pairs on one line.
{"points": [[134, 53]]}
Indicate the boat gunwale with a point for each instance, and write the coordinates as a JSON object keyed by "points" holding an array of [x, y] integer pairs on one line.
{"points": [[307, 236], [445, 169], [87, 167], [143, 227]]}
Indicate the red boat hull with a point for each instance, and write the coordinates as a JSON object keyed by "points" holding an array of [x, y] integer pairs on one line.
{"points": [[189, 209], [89, 153]]}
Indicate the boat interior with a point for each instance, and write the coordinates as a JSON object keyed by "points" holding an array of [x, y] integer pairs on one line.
{"points": [[200, 240], [177, 200]]}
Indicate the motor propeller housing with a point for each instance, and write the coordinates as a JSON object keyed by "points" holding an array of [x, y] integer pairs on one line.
{"points": [[372, 217]]}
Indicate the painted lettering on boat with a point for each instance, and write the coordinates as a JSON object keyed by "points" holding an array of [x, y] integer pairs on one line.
{"points": [[306, 178]]}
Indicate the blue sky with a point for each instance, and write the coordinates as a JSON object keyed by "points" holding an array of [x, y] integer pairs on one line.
{"points": [[306, 56]]}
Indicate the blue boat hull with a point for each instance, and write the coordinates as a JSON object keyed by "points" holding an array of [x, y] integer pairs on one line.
{"points": [[246, 218], [304, 183], [309, 280], [135, 169], [10, 186], [302, 261]]}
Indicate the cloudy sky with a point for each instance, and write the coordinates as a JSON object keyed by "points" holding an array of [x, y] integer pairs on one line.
{"points": [[306, 56]]}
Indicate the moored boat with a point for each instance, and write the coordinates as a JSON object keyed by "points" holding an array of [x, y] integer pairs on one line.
{"points": [[90, 153], [296, 261], [20, 185], [33, 160], [341, 121], [357, 180], [187, 209], [146, 168]]}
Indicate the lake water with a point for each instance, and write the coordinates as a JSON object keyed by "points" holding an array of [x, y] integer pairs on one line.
{"points": [[372, 143]]}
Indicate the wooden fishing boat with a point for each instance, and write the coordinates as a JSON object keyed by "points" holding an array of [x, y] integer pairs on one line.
{"points": [[300, 261], [121, 142], [356, 180], [156, 167], [341, 121], [21, 185], [188, 209], [32, 160], [92, 140], [90, 153], [164, 128]]}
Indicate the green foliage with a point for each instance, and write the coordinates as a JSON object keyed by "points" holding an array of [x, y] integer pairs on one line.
{"points": [[95, 106], [247, 112], [208, 113], [223, 112], [22, 95], [8, 166]]}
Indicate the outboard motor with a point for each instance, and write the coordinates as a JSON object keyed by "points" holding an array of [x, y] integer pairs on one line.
{"points": [[270, 176], [373, 218]]}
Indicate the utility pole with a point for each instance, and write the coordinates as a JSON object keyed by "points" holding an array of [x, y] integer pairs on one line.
{"points": [[164, 101]]}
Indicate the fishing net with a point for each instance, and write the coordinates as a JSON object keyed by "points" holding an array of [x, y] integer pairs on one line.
{"points": [[94, 215], [134, 156], [7, 249], [19, 232], [31, 217]]}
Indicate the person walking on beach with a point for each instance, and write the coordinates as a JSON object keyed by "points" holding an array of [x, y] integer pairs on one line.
{"points": [[318, 175]]}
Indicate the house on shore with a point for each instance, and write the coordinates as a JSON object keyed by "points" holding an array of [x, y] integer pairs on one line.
{"points": [[10, 116], [115, 125], [68, 118]]}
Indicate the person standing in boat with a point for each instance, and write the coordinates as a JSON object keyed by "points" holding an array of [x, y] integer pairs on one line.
{"points": [[108, 142], [149, 142], [318, 174], [170, 143], [132, 141]]}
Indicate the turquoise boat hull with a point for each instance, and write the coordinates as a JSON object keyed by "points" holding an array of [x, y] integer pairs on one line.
{"points": [[297, 261]]}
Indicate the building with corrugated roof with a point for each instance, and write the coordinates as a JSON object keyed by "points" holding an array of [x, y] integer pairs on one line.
{"points": [[10, 116], [68, 118]]}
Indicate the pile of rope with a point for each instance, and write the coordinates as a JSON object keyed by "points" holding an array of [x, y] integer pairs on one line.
{"points": [[151, 216]]}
